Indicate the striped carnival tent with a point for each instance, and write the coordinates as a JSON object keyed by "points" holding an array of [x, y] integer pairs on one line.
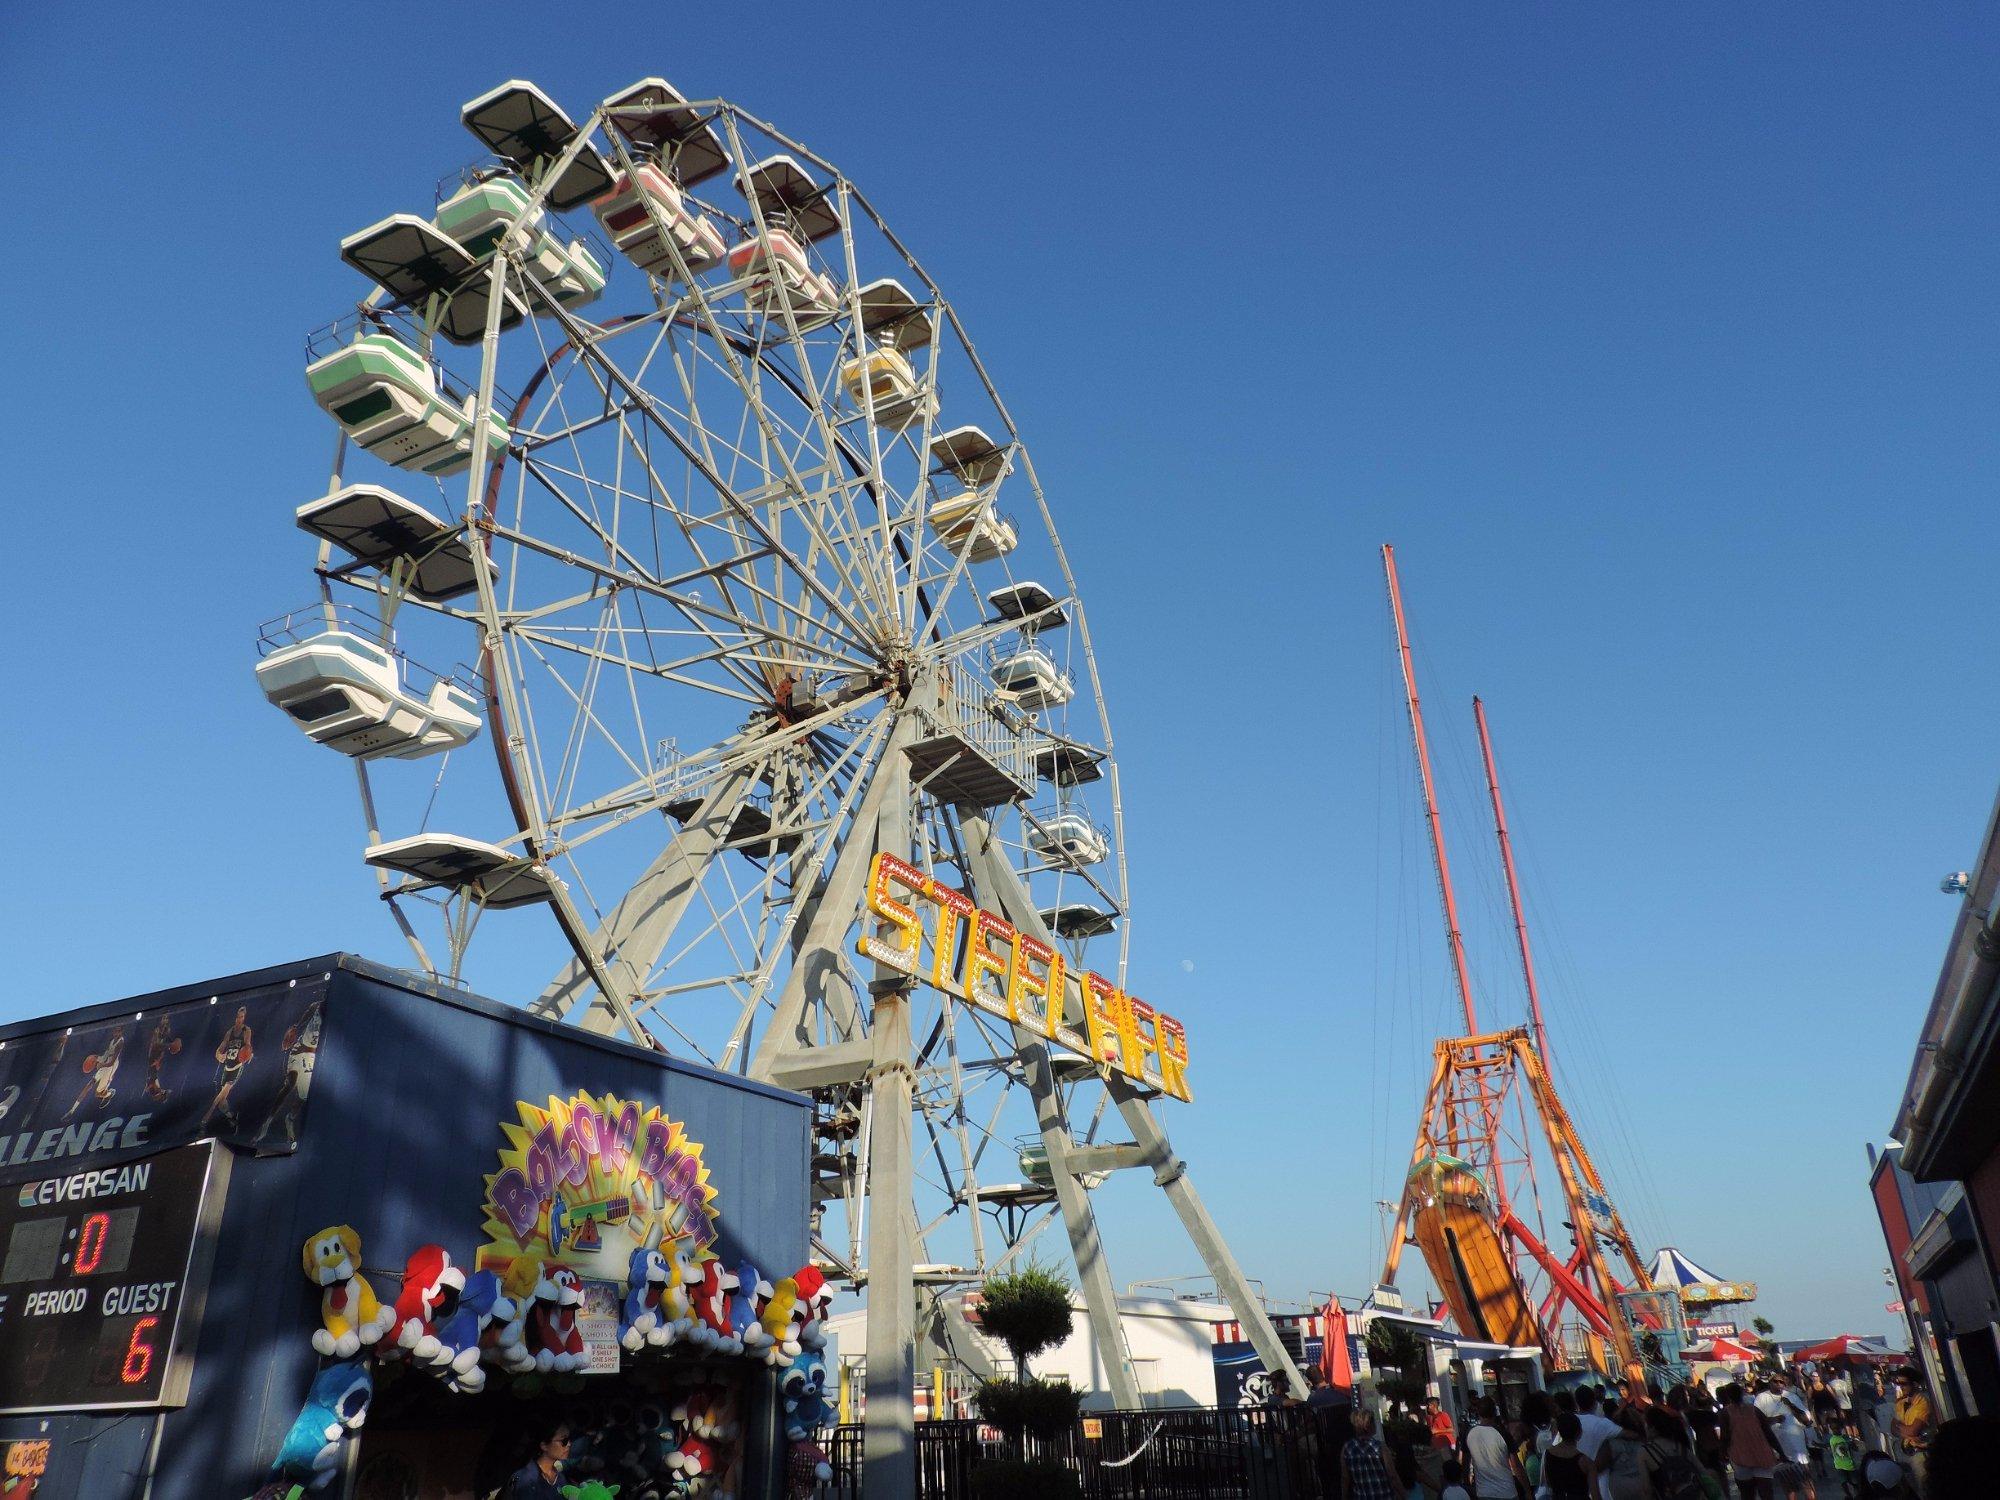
{"points": [[1699, 1288]]}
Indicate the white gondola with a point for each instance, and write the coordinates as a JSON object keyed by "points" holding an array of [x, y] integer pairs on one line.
{"points": [[1068, 764], [386, 397], [971, 514], [1032, 680], [655, 116], [1068, 839], [1028, 601], [520, 124], [478, 215], [777, 273], [491, 875], [643, 202], [414, 261], [787, 196], [884, 388], [1079, 919], [880, 381], [409, 258], [383, 530], [970, 457], [348, 693]]}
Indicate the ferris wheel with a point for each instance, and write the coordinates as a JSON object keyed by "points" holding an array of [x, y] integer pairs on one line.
{"points": [[665, 470]]}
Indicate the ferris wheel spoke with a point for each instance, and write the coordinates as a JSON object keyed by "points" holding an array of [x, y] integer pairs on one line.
{"points": [[649, 408], [691, 607], [629, 940], [728, 578]]}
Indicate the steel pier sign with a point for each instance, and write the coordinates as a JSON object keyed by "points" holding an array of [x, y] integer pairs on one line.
{"points": [[1006, 973]]}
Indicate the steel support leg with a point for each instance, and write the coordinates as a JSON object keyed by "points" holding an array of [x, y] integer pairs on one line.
{"points": [[836, 907], [1170, 1172], [994, 880], [889, 1464]]}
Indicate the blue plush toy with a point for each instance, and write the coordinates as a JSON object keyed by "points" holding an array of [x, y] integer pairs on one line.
{"points": [[744, 1325], [804, 1388], [480, 1303], [643, 1322], [335, 1407]]}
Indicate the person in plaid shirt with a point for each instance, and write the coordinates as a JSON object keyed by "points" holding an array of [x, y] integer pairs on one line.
{"points": [[1364, 1468]]}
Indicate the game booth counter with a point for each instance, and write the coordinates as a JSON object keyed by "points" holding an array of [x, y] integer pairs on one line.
{"points": [[335, 1230]]}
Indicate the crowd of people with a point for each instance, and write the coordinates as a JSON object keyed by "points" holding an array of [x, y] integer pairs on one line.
{"points": [[1767, 1437]]}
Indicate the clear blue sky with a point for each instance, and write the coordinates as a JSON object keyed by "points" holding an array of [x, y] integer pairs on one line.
{"points": [[1661, 345]]}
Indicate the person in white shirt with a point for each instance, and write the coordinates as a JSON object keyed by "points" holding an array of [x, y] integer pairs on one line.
{"points": [[1496, 1473], [1595, 1431], [1787, 1417]]}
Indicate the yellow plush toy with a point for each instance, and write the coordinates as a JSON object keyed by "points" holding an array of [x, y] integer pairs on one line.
{"points": [[776, 1317], [509, 1341], [349, 1313]]}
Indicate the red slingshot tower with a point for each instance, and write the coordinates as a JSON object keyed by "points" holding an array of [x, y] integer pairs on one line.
{"points": [[1472, 1201]]}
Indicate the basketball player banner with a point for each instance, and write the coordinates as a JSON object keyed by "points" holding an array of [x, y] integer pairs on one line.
{"points": [[235, 1066]]}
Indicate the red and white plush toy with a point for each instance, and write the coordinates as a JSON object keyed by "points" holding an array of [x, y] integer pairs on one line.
{"points": [[431, 1284], [693, 1465], [809, 1312], [553, 1336], [707, 1412], [712, 1301]]}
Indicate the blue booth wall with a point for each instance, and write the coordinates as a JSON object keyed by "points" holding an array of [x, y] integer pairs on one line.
{"points": [[402, 1126]]}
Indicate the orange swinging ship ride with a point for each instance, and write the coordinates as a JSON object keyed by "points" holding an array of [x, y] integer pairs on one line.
{"points": [[1471, 1190]]}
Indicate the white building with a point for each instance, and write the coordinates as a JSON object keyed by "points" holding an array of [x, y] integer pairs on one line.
{"points": [[1171, 1342]]}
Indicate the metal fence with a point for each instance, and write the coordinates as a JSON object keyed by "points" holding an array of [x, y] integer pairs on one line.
{"points": [[1198, 1453]]}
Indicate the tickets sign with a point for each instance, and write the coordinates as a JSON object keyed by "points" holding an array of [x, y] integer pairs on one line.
{"points": [[927, 929]]}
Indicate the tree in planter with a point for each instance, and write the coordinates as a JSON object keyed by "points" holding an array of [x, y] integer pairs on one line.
{"points": [[1768, 1356], [1029, 1312], [1398, 1357]]}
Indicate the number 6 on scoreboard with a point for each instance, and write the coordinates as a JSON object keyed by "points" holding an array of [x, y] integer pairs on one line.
{"points": [[138, 1352]]}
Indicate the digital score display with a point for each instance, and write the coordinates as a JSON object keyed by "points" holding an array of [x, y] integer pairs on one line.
{"points": [[102, 1276]]}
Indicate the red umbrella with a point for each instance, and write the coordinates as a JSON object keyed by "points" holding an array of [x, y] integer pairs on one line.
{"points": [[1844, 1346], [1333, 1361]]}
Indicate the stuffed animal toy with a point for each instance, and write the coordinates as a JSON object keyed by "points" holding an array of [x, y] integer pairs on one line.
{"points": [[336, 1405], [713, 1308], [431, 1286], [657, 1435], [350, 1315], [808, 1469], [552, 1332], [708, 1411], [809, 1317], [804, 1388], [507, 1340], [693, 1465], [775, 1315], [677, 1305], [590, 1489], [459, 1334], [746, 1315], [644, 1321]]}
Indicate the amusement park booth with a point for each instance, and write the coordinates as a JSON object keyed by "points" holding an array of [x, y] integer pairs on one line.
{"points": [[336, 1226]]}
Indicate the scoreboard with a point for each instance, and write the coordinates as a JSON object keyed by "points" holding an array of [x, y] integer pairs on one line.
{"points": [[102, 1277]]}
